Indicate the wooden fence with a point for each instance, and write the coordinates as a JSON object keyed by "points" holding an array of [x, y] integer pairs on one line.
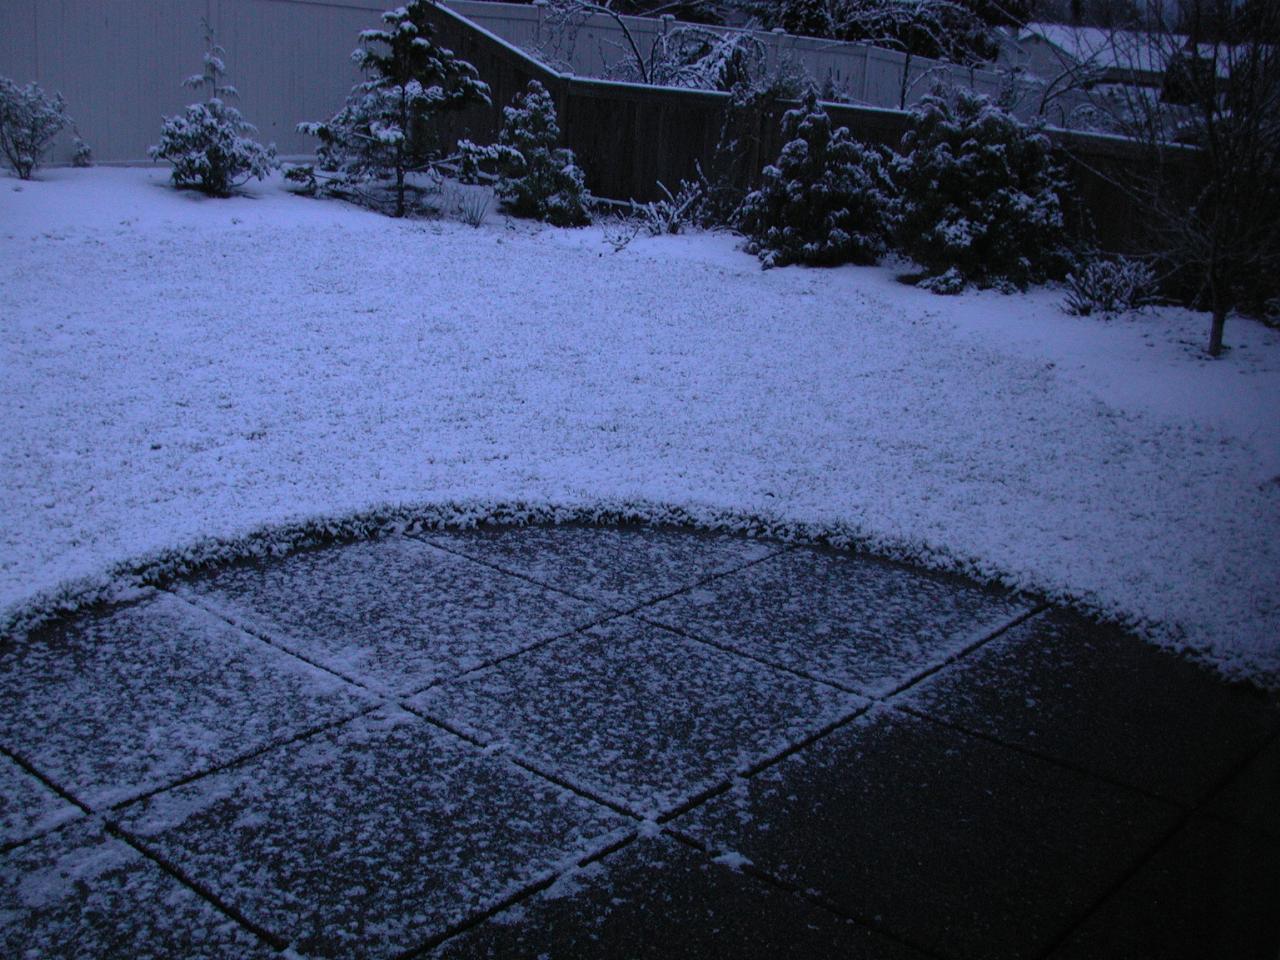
{"points": [[119, 63], [595, 45], [629, 137]]}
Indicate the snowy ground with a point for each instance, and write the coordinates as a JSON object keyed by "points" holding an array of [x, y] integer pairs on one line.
{"points": [[174, 367]]}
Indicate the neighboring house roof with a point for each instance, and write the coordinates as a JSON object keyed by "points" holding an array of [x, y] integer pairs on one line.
{"points": [[1117, 53]]}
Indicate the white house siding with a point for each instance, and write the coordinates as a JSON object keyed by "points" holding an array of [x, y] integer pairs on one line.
{"points": [[120, 63]]}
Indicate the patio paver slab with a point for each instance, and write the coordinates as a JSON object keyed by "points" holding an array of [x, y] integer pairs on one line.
{"points": [[394, 614], [619, 567], [657, 898], [1252, 798], [80, 893], [1104, 701], [370, 838], [27, 806], [954, 844], [129, 700], [347, 833], [1213, 891], [865, 624], [635, 714]]}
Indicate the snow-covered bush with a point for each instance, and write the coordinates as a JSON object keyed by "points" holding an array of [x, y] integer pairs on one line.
{"points": [[737, 147], [806, 18], [689, 55], [825, 200], [1109, 285], [951, 30], [979, 194], [676, 211], [948, 283], [209, 143], [469, 203], [29, 121], [539, 179], [81, 152], [384, 133]]}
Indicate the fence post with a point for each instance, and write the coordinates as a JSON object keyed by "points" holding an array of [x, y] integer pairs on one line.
{"points": [[540, 6], [774, 62]]}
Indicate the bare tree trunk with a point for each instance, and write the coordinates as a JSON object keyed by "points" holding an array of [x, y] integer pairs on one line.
{"points": [[1219, 303], [1215, 329], [401, 159]]}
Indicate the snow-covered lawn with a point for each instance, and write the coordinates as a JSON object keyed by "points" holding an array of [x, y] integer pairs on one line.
{"points": [[175, 367]]}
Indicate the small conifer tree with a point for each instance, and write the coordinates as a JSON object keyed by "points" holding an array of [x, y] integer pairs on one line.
{"points": [[209, 143], [81, 152], [980, 196], [809, 18], [29, 121], [383, 132], [825, 200], [539, 179]]}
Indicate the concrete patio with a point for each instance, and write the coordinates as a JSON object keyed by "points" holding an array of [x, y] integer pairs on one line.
{"points": [[611, 742]]}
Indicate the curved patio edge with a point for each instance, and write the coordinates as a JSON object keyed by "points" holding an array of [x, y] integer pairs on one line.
{"points": [[162, 567]]}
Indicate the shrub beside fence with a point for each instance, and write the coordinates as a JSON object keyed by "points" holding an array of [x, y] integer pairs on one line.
{"points": [[113, 59], [117, 62], [629, 137], [595, 45]]}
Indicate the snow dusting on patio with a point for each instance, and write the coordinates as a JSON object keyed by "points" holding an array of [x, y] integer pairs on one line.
{"points": [[174, 367]]}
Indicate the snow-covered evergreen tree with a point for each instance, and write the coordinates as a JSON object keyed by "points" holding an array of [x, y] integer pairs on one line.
{"points": [[979, 196], [957, 30], [29, 121], [941, 29], [384, 131], [539, 179], [688, 55], [81, 152], [209, 143], [825, 200], [806, 18]]}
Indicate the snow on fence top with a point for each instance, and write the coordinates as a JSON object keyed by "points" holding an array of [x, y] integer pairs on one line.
{"points": [[594, 46]]}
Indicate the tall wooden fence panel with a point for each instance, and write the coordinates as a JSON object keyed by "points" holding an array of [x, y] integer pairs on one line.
{"points": [[629, 138], [119, 63], [597, 45]]}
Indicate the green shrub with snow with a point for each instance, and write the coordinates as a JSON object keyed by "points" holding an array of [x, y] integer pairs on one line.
{"points": [[384, 132], [823, 202], [81, 152], [539, 179], [29, 121], [1109, 285], [751, 101], [209, 143], [979, 196]]}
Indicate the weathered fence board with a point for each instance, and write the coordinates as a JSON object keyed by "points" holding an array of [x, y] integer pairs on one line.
{"points": [[629, 137], [119, 63]]}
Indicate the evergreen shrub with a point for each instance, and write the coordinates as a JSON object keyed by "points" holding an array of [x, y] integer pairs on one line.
{"points": [[979, 196], [824, 202]]}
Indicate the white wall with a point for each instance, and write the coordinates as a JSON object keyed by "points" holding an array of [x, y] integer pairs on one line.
{"points": [[120, 63]]}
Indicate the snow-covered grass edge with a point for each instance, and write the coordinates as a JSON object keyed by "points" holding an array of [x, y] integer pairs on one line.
{"points": [[158, 569]]}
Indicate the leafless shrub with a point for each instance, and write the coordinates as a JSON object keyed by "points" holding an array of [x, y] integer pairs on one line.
{"points": [[469, 204], [619, 231], [1209, 181], [1109, 286], [676, 212]]}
